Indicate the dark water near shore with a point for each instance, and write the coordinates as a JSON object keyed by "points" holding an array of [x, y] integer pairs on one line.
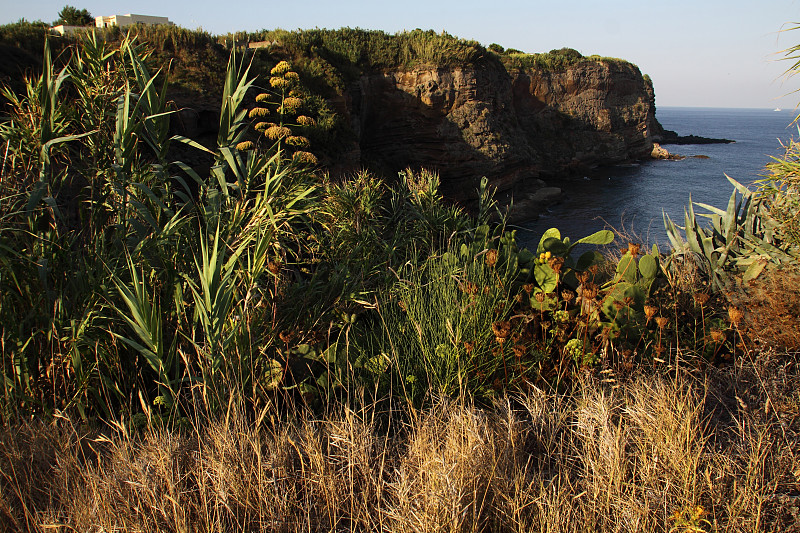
{"points": [[632, 197]]}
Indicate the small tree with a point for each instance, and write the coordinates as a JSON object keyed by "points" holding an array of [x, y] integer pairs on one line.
{"points": [[72, 16]]}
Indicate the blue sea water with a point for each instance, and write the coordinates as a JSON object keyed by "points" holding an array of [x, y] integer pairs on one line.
{"points": [[632, 197]]}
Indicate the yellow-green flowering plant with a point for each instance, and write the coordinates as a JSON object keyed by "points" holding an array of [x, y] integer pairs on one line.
{"points": [[283, 105]]}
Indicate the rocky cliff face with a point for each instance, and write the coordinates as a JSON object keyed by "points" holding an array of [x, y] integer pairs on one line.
{"points": [[513, 127]]}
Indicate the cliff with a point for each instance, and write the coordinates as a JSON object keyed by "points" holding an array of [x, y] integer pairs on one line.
{"points": [[512, 125], [421, 99]]}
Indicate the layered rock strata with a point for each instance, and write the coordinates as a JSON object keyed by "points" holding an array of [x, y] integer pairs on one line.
{"points": [[511, 126]]}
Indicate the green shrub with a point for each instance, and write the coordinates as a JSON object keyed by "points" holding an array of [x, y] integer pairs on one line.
{"points": [[353, 50], [781, 190], [444, 327]]}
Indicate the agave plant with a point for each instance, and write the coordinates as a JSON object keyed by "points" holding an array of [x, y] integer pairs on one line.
{"points": [[743, 237]]}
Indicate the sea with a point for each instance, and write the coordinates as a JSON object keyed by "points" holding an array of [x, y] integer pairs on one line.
{"points": [[631, 198]]}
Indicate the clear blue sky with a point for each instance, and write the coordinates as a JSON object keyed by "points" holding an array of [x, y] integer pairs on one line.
{"points": [[698, 53]]}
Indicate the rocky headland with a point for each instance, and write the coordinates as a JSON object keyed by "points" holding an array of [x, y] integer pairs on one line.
{"points": [[523, 128], [423, 100]]}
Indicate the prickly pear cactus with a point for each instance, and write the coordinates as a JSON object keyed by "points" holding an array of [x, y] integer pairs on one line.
{"points": [[631, 286]]}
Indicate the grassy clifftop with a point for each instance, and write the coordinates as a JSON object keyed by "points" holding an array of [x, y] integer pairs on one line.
{"points": [[337, 54]]}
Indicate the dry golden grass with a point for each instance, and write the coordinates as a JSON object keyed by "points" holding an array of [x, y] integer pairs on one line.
{"points": [[643, 455]]}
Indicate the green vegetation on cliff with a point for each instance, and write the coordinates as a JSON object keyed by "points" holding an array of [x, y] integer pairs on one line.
{"points": [[335, 55], [554, 60]]}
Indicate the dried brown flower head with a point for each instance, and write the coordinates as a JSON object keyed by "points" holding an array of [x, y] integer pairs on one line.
{"points": [[520, 350], [662, 321], [590, 291], [700, 298], [469, 287], [274, 267], [717, 336], [634, 249], [735, 315], [501, 330], [649, 312], [556, 263], [567, 295], [528, 287], [491, 257]]}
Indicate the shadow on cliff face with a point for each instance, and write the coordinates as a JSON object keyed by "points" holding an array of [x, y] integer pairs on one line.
{"points": [[596, 113], [444, 120], [466, 123]]}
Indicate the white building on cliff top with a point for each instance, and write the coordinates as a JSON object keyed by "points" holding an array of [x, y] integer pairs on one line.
{"points": [[129, 20]]}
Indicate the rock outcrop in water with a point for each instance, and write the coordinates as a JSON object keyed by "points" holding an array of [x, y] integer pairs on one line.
{"points": [[513, 126]]}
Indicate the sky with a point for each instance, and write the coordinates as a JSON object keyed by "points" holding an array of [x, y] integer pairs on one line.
{"points": [[699, 53]]}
